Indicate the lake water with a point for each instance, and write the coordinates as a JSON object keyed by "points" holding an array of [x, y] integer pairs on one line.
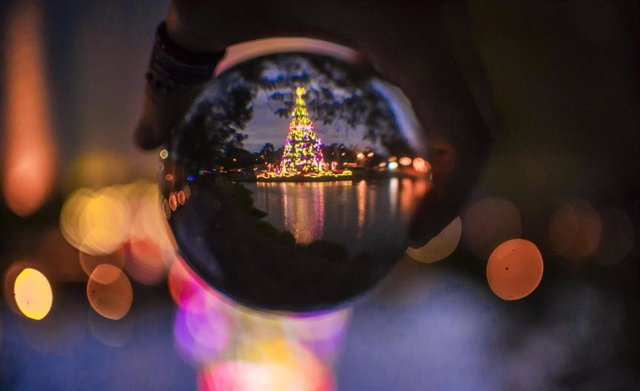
{"points": [[364, 215]]}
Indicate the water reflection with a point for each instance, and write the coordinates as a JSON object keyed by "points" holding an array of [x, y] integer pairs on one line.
{"points": [[393, 197], [362, 202], [303, 217], [342, 212]]}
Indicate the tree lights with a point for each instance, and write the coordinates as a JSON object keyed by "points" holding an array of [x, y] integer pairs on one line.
{"points": [[302, 156], [303, 148]]}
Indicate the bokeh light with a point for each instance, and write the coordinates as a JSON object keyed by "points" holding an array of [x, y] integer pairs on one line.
{"points": [[279, 365], [151, 248], [440, 246], [33, 294], [405, 161], [149, 222], [97, 169], [203, 325], [121, 225], [9, 278], [147, 263], [104, 222], [421, 165], [233, 376], [109, 292], [322, 334], [28, 149], [183, 283], [574, 230], [514, 269], [238, 348], [241, 348], [95, 222], [487, 223], [203, 334]]}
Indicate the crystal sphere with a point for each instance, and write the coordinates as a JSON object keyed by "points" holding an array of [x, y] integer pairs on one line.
{"points": [[291, 183]]}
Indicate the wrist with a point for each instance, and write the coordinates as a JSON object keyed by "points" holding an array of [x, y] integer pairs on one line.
{"points": [[173, 67]]}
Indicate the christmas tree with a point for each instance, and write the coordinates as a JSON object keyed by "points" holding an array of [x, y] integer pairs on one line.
{"points": [[303, 149]]}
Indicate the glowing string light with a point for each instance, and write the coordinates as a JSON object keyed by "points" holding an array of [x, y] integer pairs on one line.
{"points": [[303, 149], [302, 155]]}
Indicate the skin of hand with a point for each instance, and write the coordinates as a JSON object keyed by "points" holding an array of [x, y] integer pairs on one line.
{"points": [[405, 42]]}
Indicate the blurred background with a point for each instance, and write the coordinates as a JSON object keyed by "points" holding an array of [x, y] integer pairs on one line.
{"points": [[95, 296]]}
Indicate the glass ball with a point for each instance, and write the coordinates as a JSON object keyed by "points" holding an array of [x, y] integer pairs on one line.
{"points": [[291, 182]]}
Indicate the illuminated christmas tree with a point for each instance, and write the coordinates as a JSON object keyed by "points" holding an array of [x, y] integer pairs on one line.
{"points": [[303, 149]]}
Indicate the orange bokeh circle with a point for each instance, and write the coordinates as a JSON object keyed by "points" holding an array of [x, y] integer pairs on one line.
{"points": [[109, 292], [515, 269]]}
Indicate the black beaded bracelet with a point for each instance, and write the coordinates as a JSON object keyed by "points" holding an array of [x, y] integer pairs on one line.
{"points": [[173, 68]]}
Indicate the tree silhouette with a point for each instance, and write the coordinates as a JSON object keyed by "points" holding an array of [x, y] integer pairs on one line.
{"points": [[211, 131], [268, 155]]}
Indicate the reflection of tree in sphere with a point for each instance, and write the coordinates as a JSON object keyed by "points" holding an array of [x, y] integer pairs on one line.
{"points": [[291, 201]]}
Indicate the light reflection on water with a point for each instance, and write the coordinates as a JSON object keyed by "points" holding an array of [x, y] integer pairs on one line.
{"points": [[364, 215]]}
